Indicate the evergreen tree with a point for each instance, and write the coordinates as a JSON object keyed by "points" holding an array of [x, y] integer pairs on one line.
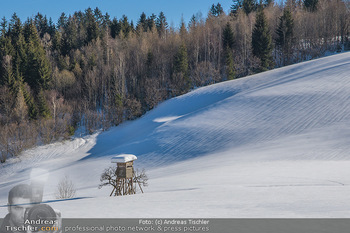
{"points": [[41, 24], [43, 108], [92, 30], [216, 10], [248, 6], [230, 69], [237, 4], [311, 5], [6, 47], [183, 30], [44, 70], [115, 28], [125, 27], [142, 23], [20, 57], [228, 38], [151, 23], [70, 36], [52, 28], [262, 41], [62, 21], [219, 9], [29, 100], [56, 41], [38, 72], [106, 22], [98, 16], [15, 28], [3, 26], [228, 43], [16, 33], [6, 51], [212, 10], [285, 36], [161, 24], [193, 22], [181, 67]]}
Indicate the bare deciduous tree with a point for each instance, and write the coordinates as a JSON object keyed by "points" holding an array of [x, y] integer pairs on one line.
{"points": [[109, 178]]}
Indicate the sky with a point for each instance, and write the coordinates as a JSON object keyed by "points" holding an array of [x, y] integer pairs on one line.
{"points": [[173, 10]]}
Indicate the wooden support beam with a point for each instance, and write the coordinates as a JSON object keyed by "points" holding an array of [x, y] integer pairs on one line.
{"points": [[112, 192]]}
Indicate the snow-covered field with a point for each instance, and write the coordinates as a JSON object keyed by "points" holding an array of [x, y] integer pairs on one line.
{"points": [[275, 144]]}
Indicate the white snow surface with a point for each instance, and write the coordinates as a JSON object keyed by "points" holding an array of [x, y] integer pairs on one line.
{"points": [[123, 158], [275, 144]]}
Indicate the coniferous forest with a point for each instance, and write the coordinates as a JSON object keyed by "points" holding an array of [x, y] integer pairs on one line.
{"points": [[89, 71]]}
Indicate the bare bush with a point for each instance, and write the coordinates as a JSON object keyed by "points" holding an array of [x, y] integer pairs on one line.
{"points": [[65, 188]]}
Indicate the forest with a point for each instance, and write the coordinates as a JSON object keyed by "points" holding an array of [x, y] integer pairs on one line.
{"points": [[89, 72]]}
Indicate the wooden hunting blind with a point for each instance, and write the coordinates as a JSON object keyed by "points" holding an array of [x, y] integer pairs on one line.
{"points": [[125, 174], [125, 170]]}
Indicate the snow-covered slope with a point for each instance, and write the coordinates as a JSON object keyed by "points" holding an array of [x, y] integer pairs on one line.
{"points": [[275, 144]]}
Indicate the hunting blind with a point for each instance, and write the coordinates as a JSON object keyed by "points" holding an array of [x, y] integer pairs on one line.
{"points": [[125, 175]]}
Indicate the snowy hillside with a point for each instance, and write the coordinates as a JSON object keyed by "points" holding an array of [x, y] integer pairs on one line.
{"points": [[275, 144]]}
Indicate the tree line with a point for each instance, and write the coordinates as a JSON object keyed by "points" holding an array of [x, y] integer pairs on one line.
{"points": [[89, 72]]}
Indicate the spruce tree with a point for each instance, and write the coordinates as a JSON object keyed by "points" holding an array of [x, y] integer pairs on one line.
{"points": [[52, 28], [181, 67], [262, 41], [15, 28], [142, 23], [229, 63], [216, 10], [161, 24], [3, 26], [228, 38], [41, 24], [151, 23], [219, 9], [43, 108], [125, 27], [237, 4], [32, 109], [311, 5], [285, 36], [56, 41], [183, 30], [115, 28], [228, 43], [20, 57], [38, 72], [69, 37], [92, 30], [62, 21], [248, 6], [44, 70], [212, 10]]}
